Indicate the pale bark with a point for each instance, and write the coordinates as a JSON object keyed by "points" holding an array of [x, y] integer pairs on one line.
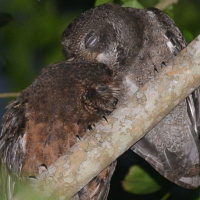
{"points": [[9, 94], [162, 5], [126, 126]]}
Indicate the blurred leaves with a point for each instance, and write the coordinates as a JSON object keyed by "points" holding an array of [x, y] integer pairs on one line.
{"points": [[138, 181], [5, 18], [32, 40], [163, 4], [133, 3], [99, 2], [188, 35]]}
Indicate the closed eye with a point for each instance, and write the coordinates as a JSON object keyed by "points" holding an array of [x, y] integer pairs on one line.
{"points": [[91, 40], [101, 87]]}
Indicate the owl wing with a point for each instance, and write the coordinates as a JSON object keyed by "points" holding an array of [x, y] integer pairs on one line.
{"points": [[173, 147], [175, 39], [98, 188], [12, 136], [11, 147], [12, 153]]}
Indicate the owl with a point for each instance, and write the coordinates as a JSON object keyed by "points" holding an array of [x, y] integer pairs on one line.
{"points": [[136, 44], [51, 115]]}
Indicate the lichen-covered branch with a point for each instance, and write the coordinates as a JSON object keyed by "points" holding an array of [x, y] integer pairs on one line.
{"points": [[126, 126], [162, 5]]}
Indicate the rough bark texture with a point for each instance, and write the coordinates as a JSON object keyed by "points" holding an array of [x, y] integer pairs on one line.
{"points": [[125, 126]]}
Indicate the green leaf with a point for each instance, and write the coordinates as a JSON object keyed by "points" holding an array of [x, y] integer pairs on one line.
{"points": [[188, 35], [138, 181], [166, 196], [5, 18], [99, 2], [133, 3], [124, 1]]}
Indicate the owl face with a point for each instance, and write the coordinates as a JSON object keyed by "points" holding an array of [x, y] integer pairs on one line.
{"points": [[97, 44], [102, 96], [101, 35]]}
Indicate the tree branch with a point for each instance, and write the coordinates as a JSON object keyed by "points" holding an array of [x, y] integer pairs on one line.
{"points": [[127, 125], [9, 94], [162, 5]]}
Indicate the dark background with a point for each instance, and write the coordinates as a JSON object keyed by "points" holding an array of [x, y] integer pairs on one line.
{"points": [[30, 34]]}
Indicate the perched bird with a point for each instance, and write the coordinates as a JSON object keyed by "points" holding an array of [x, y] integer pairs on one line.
{"points": [[52, 114], [136, 44]]}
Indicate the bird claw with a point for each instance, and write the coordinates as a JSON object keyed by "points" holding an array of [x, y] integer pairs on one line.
{"points": [[104, 117], [42, 168]]}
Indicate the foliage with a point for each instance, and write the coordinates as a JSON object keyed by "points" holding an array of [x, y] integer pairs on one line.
{"points": [[133, 3], [99, 2], [32, 40], [138, 181], [5, 18]]}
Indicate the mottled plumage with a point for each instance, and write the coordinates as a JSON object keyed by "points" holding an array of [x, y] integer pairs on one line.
{"points": [[53, 113], [136, 44]]}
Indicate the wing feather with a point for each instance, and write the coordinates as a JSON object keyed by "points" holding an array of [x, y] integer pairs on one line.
{"points": [[173, 147]]}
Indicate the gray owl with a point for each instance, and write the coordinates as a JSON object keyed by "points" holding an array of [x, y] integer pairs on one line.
{"points": [[136, 44]]}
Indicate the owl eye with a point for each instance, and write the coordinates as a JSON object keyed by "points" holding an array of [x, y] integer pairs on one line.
{"points": [[91, 40], [101, 87]]}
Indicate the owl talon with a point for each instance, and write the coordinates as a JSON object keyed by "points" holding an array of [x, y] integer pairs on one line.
{"points": [[163, 65], [32, 178], [78, 136], [115, 101], [104, 117], [91, 127], [42, 168]]}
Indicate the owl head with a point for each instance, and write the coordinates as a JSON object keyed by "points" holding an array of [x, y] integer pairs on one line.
{"points": [[101, 88], [105, 34]]}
